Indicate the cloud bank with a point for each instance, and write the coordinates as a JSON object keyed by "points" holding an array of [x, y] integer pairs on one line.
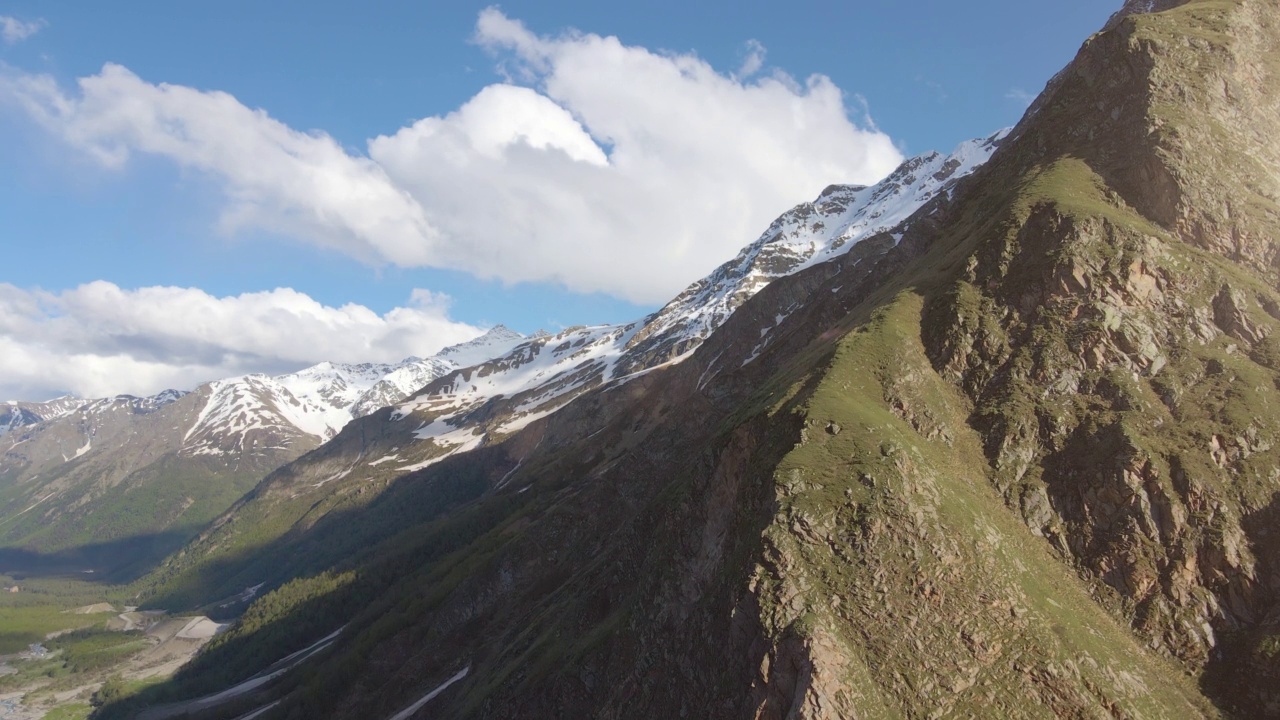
{"points": [[597, 165], [98, 339]]}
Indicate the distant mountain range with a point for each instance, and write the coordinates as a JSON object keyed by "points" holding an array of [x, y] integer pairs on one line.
{"points": [[97, 484], [15, 414]]}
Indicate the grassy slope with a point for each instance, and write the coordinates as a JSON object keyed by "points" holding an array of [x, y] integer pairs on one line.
{"points": [[942, 587], [127, 527], [21, 625]]}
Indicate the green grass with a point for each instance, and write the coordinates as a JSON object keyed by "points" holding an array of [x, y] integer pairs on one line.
{"points": [[1075, 189], [117, 689], [21, 626], [925, 516], [67, 591], [74, 711], [169, 500], [93, 649]]}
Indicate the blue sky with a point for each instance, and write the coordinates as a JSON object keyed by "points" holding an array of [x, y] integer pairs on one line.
{"points": [[539, 228]]}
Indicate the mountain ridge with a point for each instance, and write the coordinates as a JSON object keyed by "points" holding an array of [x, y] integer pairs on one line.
{"points": [[97, 482], [470, 407], [1013, 461]]}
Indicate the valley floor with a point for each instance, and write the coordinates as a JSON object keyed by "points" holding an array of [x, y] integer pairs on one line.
{"points": [[66, 644]]}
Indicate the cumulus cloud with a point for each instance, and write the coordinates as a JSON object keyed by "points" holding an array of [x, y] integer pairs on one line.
{"points": [[99, 339], [597, 165], [13, 30]]}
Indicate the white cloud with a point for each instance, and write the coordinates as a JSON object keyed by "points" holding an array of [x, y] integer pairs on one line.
{"points": [[607, 168], [14, 30], [754, 60], [99, 339], [303, 184]]}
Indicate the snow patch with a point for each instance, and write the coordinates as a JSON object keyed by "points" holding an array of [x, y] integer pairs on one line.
{"points": [[408, 712]]}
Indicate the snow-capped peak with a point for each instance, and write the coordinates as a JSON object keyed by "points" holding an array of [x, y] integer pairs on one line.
{"points": [[543, 373], [410, 376], [496, 342], [321, 399], [15, 414], [317, 400], [330, 389], [166, 396], [809, 234]]}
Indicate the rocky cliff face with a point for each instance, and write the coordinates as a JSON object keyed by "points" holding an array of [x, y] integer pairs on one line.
{"points": [[1117, 346], [1016, 458]]}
